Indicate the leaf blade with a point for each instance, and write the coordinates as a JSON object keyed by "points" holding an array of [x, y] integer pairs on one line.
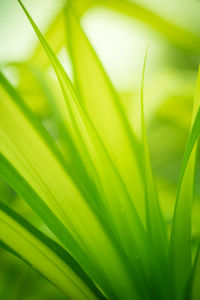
{"points": [[32, 243], [180, 239]]}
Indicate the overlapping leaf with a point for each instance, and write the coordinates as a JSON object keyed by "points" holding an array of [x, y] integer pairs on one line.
{"points": [[180, 243], [155, 223], [42, 170], [44, 255]]}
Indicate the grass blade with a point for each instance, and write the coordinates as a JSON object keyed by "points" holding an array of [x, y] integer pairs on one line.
{"points": [[195, 288], [122, 170], [43, 254], [180, 240], [155, 222], [47, 178], [100, 98], [60, 193], [56, 36]]}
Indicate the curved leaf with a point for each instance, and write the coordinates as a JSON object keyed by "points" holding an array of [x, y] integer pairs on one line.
{"points": [[155, 223], [44, 255], [116, 142], [180, 241], [35, 161]]}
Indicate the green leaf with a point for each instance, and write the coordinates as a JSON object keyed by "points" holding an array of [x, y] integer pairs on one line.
{"points": [[112, 127], [155, 223], [24, 148], [53, 193], [180, 240], [117, 170], [195, 287], [46, 256], [55, 35], [38, 88]]}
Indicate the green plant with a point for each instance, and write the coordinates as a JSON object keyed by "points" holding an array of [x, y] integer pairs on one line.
{"points": [[94, 189]]}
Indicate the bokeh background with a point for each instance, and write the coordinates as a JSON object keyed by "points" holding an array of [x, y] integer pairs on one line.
{"points": [[120, 35]]}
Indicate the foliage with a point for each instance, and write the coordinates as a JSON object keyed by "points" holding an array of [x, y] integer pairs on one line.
{"points": [[101, 231]]}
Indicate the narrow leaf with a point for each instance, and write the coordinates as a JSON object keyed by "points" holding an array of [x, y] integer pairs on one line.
{"points": [[45, 255], [180, 240], [155, 222], [118, 170]]}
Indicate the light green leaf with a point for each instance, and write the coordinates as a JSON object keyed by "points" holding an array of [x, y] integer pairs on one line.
{"points": [[56, 36], [195, 287], [118, 169], [155, 223], [103, 106], [61, 205], [180, 240], [44, 255], [24, 148]]}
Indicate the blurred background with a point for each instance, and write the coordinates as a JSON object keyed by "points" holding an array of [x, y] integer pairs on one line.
{"points": [[120, 32]]}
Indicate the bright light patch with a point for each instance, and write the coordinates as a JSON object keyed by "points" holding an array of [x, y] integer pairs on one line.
{"points": [[120, 44]]}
